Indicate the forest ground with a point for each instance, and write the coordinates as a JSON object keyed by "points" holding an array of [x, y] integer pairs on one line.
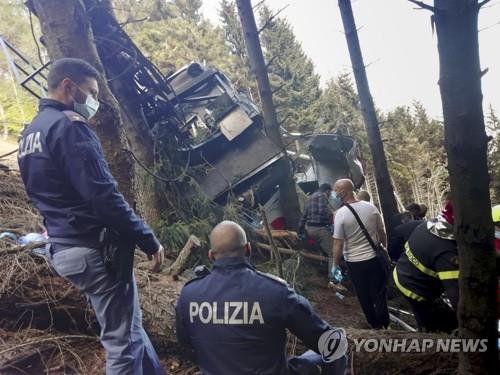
{"points": [[46, 327]]}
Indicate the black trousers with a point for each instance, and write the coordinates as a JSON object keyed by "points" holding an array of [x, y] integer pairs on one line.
{"points": [[369, 280], [434, 316]]}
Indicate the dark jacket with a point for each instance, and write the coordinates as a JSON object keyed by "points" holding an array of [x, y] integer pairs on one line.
{"points": [[69, 182], [399, 236], [235, 318], [429, 264]]}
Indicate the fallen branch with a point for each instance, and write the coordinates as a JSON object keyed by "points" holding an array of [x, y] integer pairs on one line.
{"points": [[286, 234], [304, 254], [39, 341], [274, 248], [178, 266]]}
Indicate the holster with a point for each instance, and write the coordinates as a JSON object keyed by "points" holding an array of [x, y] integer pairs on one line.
{"points": [[118, 254]]}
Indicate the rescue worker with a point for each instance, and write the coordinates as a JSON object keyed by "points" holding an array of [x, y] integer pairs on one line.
{"points": [[69, 182], [427, 268], [404, 227], [316, 220], [235, 317], [495, 212]]}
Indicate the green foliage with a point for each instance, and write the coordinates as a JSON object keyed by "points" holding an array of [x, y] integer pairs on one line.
{"points": [[416, 156], [17, 107], [196, 215], [235, 40], [294, 83], [175, 42], [338, 109], [413, 142]]}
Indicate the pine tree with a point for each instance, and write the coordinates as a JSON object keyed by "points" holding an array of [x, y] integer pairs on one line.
{"points": [[293, 80], [233, 33]]}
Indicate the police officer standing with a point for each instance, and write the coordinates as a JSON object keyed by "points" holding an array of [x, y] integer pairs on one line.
{"points": [[235, 317], [67, 179]]}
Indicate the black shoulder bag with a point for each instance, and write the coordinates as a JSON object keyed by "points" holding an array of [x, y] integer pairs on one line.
{"points": [[382, 254]]}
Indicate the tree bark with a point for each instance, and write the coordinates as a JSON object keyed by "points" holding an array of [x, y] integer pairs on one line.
{"points": [[109, 37], [67, 33], [466, 146], [382, 176], [288, 194]]}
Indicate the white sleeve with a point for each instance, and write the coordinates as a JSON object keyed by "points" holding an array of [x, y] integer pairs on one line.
{"points": [[338, 225]]}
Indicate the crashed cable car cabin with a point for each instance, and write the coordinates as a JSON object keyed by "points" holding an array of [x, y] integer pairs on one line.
{"points": [[218, 132], [229, 139]]}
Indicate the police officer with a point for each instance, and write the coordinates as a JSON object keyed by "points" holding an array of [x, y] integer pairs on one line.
{"points": [[427, 268], [68, 180], [235, 318]]}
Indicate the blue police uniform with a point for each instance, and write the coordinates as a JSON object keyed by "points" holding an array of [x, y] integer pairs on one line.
{"points": [[69, 182], [235, 318]]}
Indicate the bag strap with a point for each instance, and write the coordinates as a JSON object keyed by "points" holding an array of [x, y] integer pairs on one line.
{"points": [[362, 226]]}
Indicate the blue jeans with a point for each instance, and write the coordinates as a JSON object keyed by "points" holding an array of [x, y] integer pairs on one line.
{"points": [[128, 348], [311, 363]]}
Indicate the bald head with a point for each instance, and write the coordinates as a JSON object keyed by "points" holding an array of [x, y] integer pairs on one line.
{"points": [[364, 196], [344, 189], [228, 239]]}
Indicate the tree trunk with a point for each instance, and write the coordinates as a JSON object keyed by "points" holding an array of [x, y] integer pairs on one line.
{"points": [[382, 177], [466, 146], [288, 194], [109, 36], [66, 31]]}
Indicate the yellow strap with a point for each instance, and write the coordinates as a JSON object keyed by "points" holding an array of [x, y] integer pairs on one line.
{"points": [[448, 275], [417, 263], [408, 293]]}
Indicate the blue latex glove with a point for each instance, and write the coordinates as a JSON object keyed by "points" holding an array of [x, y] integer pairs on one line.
{"points": [[336, 273], [302, 236]]}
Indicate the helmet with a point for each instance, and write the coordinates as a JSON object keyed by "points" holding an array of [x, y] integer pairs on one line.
{"points": [[495, 213]]}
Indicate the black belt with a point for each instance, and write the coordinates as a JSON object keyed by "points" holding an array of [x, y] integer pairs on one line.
{"points": [[317, 225]]}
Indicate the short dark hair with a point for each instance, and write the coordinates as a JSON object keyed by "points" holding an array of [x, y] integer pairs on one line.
{"points": [[77, 70], [325, 188], [401, 218]]}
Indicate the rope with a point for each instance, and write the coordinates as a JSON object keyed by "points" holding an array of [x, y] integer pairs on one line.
{"points": [[151, 173], [9, 153]]}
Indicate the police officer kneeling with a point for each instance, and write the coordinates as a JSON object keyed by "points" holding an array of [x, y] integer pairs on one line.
{"points": [[235, 317], [68, 180]]}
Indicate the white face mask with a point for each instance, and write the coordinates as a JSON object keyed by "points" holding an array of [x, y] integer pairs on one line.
{"points": [[335, 200], [87, 109], [497, 234]]}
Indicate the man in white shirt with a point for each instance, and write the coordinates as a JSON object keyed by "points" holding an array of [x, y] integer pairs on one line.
{"points": [[365, 269]]}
